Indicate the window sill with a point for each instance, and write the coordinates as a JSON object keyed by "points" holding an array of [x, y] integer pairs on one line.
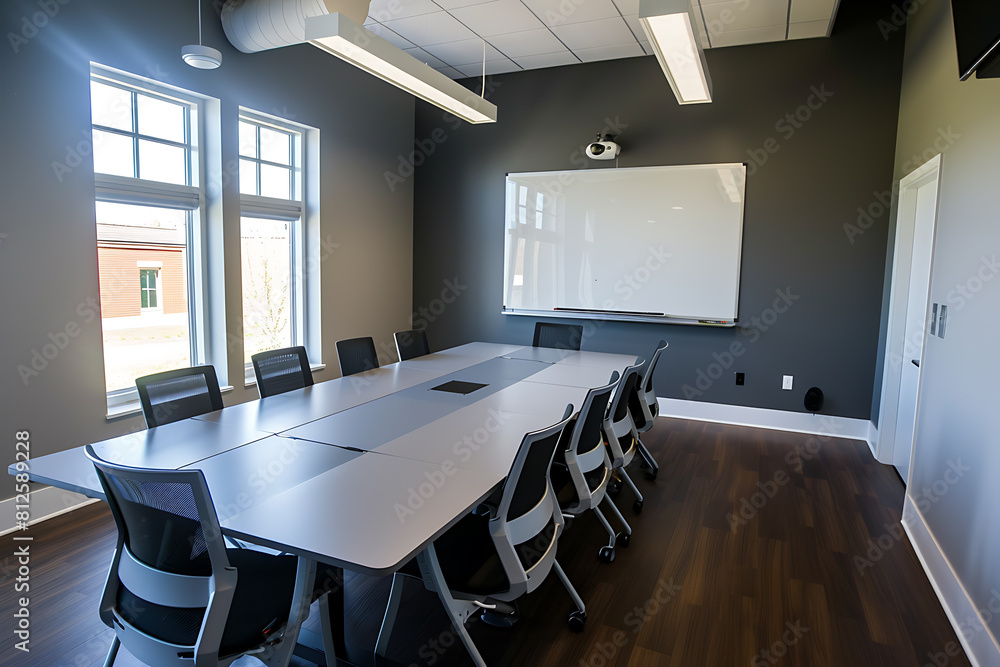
{"points": [[134, 408]]}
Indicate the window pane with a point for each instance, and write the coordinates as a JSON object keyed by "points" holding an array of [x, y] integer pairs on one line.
{"points": [[159, 162], [266, 250], [248, 177], [248, 139], [113, 154], [138, 342], [110, 106], [275, 146], [158, 118], [274, 181]]}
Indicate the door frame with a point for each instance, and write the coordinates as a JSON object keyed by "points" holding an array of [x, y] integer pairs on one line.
{"points": [[902, 260]]}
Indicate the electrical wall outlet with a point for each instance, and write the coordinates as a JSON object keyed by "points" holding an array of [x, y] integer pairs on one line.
{"points": [[740, 379], [786, 382]]}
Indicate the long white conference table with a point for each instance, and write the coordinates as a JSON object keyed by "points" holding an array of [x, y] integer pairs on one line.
{"points": [[361, 472]]}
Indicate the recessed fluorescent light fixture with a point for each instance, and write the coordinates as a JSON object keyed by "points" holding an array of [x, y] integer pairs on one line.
{"points": [[339, 35], [669, 27]]}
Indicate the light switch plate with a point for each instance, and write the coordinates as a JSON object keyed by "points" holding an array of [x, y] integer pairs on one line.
{"points": [[786, 382]]}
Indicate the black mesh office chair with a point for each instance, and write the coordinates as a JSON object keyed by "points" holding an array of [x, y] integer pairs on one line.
{"points": [[644, 408], [646, 387], [412, 343], [582, 469], [561, 336], [178, 394], [502, 551], [620, 433], [356, 355], [281, 370], [174, 594]]}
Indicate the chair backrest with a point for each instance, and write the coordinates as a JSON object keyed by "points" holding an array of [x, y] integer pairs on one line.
{"points": [[281, 370], [583, 441], [619, 425], [528, 521], [170, 586], [412, 343], [649, 394], [561, 336], [178, 394], [356, 355]]}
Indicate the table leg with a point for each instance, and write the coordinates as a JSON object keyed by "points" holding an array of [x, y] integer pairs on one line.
{"points": [[333, 618]]}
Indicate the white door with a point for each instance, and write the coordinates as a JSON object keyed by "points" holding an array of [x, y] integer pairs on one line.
{"points": [[908, 314], [917, 322]]}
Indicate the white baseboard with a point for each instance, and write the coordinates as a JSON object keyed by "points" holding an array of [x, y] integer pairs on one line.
{"points": [[779, 420], [44, 504], [873, 439], [978, 641]]}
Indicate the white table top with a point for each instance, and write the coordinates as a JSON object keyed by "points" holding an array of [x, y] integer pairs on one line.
{"points": [[429, 456], [370, 514]]}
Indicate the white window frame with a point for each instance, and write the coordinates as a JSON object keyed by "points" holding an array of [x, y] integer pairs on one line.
{"points": [[302, 214], [206, 296], [156, 289]]}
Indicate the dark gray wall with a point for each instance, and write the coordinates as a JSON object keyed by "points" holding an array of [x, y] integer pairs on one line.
{"points": [[48, 258], [812, 183]]}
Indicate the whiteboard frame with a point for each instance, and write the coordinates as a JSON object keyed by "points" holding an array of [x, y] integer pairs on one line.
{"points": [[623, 316]]}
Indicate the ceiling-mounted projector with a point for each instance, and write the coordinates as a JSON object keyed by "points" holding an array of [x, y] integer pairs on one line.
{"points": [[604, 148]]}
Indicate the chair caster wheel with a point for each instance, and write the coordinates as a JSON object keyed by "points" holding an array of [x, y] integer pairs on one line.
{"points": [[637, 507], [622, 539], [577, 620], [651, 474], [607, 554]]}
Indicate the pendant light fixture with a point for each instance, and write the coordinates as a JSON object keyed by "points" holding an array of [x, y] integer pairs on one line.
{"points": [[198, 55]]}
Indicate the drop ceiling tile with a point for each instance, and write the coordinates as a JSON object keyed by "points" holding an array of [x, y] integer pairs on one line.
{"points": [[628, 7], [547, 60], [387, 10], [647, 49], [564, 12], [812, 10], [528, 43], [450, 72], [426, 58], [753, 36], [389, 36], [610, 52], [633, 24], [464, 51], [497, 18], [808, 29], [741, 15], [494, 67], [607, 32], [430, 28], [453, 4]]}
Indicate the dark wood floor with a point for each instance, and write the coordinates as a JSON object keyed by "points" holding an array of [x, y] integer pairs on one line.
{"points": [[801, 582]]}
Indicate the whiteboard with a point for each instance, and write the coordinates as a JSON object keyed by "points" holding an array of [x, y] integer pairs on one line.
{"points": [[646, 243]]}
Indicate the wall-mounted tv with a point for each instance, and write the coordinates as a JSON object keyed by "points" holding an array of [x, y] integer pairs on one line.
{"points": [[977, 34]]}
